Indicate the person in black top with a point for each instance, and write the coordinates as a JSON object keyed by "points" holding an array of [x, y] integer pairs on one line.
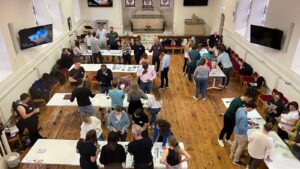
{"points": [[172, 156], [66, 60], [28, 118], [139, 51], [112, 154], [213, 40], [141, 119], [82, 95], [140, 148], [104, 77], [246, 69], [88, 150], [274, 107], [76, 74]]}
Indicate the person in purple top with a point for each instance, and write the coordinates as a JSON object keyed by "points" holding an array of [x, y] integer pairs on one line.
{"points": [[157, 49]]}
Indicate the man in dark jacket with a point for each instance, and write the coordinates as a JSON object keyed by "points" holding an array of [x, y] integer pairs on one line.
{"points": [[104, 77], [139, 50]]}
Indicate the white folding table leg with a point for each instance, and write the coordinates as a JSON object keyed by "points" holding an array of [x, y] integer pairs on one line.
{"points": [[58, 110]]}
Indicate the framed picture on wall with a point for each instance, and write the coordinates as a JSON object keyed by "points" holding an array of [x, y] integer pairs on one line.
{"points": [[147, 4], [164, 3], [129, 3]]}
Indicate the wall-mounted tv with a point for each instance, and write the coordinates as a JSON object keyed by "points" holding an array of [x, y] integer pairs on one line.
{"points": [[195, 2], [266, 36], [100, 3], [35, 36]]}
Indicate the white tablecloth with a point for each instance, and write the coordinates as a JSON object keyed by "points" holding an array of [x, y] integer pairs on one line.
{"points": [[63, 152], [112, 53], [100, 100], [118, 68], [216, 72], [282, 156]]}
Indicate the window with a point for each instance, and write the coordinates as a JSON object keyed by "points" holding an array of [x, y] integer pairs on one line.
{"points": [[76, 10], [296, 60], [47, 12], [5, 65], [250, 12]]}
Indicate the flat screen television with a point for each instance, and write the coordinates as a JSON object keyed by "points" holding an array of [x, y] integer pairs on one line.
{"points": [[266, 36], [100, 3], [35, 36], [195, 2]]}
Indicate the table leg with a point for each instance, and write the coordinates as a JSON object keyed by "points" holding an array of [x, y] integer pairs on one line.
{"points": [[57, 111], [214, 85]]}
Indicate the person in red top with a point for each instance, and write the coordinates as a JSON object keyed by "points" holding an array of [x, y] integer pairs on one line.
{"points": [[207, 62]]}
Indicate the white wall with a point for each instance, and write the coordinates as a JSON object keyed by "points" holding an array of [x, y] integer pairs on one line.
{"points": [[274, 65], [203, 12], [112, 14], [29, 64]]}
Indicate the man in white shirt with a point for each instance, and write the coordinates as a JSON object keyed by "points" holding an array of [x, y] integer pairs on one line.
{"points": [[89, 123], [164, 70], [226, 65], [260, 146], [95, 49], [87, 40], [101, 34]]}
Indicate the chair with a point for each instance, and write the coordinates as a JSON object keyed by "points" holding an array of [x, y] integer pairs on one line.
{"points": [[245, 80]]}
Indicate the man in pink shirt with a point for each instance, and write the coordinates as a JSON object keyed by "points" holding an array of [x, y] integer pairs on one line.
{"points": [[146, 74]]}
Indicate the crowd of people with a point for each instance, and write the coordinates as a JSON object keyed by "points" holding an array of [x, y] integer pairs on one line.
{"points": [[199, 59]]}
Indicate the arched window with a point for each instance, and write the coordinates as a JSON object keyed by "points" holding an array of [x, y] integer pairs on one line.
{"points": [[296, 60], [5, 65]]}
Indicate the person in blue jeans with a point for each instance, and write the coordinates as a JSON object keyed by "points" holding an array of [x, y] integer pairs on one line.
{"points": [[201, 77], [154, 104]]}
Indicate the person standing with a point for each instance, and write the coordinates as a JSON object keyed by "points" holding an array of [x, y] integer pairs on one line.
{"points": [[139, 51], [140, 118], [226, 66], [126, 50], [164, 80], [112, 40], [76, 75], [141, 148], [104, 77], [201, 77], [146, 74], [154, 104], [112, 154], [157, 49], [172, 156], [88, 151], [116, 95], [89, 123], [213, 40], [194, 55], [27, 118], [240, 131], [118, 122], [87, 40], [229, 117], [134, 96], [82, 95], [161, 132], [260, 146], [187, 49], [101, 34], [95, 48]]}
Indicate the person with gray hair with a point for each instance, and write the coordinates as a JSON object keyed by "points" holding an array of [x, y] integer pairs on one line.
{"points": [[140, 148]]}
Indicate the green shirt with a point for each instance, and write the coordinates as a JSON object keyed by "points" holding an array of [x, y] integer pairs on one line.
{"points": [[234, 105], [112, 38]]}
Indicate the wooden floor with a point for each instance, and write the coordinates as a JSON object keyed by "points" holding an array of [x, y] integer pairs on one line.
{"points": [[196, 123]]}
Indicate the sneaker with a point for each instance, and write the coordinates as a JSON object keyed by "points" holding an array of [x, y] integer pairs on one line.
{"points": [[221, 86], [239, 163], [195, 98], [166, 86], [229, 142], [221, 143], [161, 87], [204, 99]]}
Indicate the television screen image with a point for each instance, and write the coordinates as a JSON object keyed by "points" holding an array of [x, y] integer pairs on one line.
{"points": [[195, 2], [36, 36], [266, 36], [100, 3]]}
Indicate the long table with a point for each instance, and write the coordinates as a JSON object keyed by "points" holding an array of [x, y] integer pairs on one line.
{"points": [[100, 100], [281, 155], [215, 73], [63, 152], [115, 68]]}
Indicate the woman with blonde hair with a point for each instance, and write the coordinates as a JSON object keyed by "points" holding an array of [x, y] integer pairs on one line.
{"points": [[126, 50], [134, 98], [187, 48], [172, 157], [154, 104]]}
